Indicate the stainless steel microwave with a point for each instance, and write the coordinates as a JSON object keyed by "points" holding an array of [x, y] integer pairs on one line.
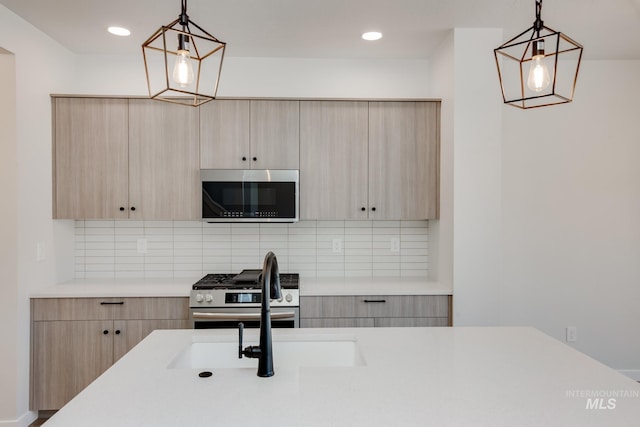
{"points": [[250, 195]]}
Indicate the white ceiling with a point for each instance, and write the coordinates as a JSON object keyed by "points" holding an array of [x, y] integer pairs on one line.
{"points": [[608, 29]]}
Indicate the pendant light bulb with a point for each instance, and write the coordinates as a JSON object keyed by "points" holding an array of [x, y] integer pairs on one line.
{"points": [[539, 78], [183, 69]]}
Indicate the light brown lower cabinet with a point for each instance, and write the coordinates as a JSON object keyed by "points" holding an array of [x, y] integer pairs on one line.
{"points": [[74, 340], [375, 311]]}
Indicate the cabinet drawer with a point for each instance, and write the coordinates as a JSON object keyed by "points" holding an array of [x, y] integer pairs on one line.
{"points": [[109, 308], [393, 306]]}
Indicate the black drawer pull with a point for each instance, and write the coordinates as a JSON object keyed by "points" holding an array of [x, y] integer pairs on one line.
{"points": [[112, 303], [375, 300]]}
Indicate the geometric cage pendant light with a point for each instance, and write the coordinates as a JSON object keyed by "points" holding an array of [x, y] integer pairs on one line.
{"points": [[183, 62], [538, 67]]}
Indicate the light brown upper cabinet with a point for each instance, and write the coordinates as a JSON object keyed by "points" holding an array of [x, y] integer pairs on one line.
{"points": [[333, 159], [403, 160], [119, 159], [369, 160], [249, 134], [90, 158], [164, 173]]}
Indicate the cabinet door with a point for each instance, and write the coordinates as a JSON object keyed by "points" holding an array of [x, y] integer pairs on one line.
{"points": [[333, 159], [403, 160], [164, 173], [68, 356], [90, 158], [128, 333], [224, 135], [275, 134]]}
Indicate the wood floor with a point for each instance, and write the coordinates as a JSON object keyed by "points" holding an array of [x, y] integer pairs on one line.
{"points": [[44, 416]]}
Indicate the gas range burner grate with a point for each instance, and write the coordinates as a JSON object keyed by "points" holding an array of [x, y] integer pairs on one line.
{"points": [[226, 281]]}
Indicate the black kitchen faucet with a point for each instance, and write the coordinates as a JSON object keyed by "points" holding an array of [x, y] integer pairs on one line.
{"points": [[270, 281]]}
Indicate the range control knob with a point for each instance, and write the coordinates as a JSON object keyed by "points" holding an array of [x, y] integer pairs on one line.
{"points": [[199, 297], [208, 298], [280, 299], [289, 298]]}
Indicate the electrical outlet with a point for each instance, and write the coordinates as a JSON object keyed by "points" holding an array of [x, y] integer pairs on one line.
{"points": [[142, 246], [572, 334], [394, 244], [41, 253], [337, 246]]}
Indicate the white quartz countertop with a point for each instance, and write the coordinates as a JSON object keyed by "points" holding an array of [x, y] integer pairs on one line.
{"points": [[103, 288], [482, 376]]}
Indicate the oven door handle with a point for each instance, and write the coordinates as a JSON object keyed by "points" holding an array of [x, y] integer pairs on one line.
{"points": [[241, 316]]}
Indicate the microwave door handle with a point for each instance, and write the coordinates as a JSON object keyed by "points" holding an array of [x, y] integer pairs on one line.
{"points": [[241, 316]]}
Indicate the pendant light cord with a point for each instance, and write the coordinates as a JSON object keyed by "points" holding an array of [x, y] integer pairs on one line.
{"points": [[538, 25], [184, 18]]}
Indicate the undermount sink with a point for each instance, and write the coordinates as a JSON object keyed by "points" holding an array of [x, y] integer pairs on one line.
{"points": [[309, 353]]}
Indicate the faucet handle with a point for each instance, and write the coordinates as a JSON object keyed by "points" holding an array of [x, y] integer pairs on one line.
{"points": [[252, 352], [240, 332]]}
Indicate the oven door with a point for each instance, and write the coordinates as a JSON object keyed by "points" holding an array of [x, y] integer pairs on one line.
{"points": [[228, 318]]}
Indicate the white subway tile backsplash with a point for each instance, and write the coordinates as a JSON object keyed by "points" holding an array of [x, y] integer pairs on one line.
{"points": [[109, 249], [99, 224]]}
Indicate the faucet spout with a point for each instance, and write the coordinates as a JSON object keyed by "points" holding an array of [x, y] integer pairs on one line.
{"points": [[270, 283]]}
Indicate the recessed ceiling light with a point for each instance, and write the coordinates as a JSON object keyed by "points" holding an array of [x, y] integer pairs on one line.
{"points": [[119, 31], [372, 35]]}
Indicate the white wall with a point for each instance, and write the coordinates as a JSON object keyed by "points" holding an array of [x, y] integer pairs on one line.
{"points": [[8, 230], [270, 77], [571, 215], [477, 120], [41, 67], [441, 230]]}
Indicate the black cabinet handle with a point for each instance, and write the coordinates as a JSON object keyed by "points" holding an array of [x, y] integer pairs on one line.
{"points": [[133, 208], [121, 208], [117, 331], [244, 159], [105, 332], [375, 301], [111, 303], [373, 208], [255, 159], [363, 209]]}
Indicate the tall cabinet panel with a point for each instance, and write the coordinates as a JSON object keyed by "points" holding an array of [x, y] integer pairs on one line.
{"points": [[164, 173], [275, 134], [90, 158], [224, 134], [333, 159], [403, 169]]}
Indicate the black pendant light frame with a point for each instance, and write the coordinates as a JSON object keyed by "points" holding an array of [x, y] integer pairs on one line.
{"points": [[206, 54], [513, 56]]}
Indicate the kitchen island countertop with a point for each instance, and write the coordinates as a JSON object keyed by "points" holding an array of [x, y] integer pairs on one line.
{"points": [[460, 376]]}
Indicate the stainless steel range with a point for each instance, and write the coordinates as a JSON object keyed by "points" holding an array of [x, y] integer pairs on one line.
{"points": [[223, 300]]}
